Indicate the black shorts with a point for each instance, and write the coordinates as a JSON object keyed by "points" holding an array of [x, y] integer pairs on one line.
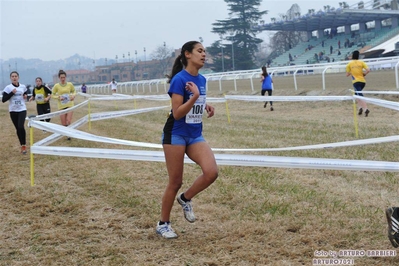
{"points": [[263, 92], [359, 86]]}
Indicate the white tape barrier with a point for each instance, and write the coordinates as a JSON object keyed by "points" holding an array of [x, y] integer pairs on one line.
{"points": [[57, 113], [215, 100], [54, 137], [230, 97], [287, 98], [106, 115], [102, 97], [85, 95], [210, 99], [97, 116], [121, 95], [88, 95], [165, 97], [112, 98], [162, 97], [70, 132], [118, 97], [322, 146], [225, 159], [379, 92], [222, 159], [383, 103], [73, 133]]}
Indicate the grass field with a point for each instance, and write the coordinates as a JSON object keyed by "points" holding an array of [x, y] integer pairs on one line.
{"points": [[85, 211]]}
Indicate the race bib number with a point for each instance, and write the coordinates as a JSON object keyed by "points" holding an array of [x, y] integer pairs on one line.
{"points": [[196, 113], [39, 97], [65, 99], [17, 102]]}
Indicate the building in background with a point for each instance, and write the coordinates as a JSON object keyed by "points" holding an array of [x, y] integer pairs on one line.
{"points": [[122, 72]]}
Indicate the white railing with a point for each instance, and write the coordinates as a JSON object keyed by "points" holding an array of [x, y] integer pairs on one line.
{"points": [[156, 85]]}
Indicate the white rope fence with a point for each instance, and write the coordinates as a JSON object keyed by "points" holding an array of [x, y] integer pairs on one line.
{"points": [[222, 159]]}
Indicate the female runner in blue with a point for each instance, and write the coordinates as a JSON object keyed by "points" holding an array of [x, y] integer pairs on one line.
{"points": [[182, 134]]}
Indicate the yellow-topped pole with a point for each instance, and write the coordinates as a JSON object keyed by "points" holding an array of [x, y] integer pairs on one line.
{"points": [[32, 165], [89, 115], [355, 116], [227, 110]]}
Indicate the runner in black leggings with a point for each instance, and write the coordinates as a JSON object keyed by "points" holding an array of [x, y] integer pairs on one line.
{"points": [[16, 94]]}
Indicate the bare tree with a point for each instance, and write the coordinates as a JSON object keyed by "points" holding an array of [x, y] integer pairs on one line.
{"points": [[285, 40], [262, 54], [165, 55]]}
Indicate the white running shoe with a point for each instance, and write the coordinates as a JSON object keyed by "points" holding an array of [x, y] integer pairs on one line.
{"points": [[187, 209], [166, 231]]}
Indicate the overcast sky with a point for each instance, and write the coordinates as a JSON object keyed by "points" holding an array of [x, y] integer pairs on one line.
{"points": [[52, 30]]}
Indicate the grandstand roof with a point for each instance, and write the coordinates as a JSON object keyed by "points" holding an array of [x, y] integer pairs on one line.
{"points": [[383, 48], [330, 19]]}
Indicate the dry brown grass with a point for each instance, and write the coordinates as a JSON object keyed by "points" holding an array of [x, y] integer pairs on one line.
{"points": [[85, 211]]}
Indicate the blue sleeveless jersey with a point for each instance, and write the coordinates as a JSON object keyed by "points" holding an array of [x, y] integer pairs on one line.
{"points": [[191, 124], [267, 83]]}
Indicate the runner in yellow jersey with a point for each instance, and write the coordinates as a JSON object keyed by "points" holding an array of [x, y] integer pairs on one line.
{"points": [[358, 69], [65, 93]]}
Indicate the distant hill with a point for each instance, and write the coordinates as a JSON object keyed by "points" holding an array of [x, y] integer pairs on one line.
{"points": [[29, 69]]}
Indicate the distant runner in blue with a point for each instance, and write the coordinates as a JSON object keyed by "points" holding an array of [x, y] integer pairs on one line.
{"points": [[266, 86]]}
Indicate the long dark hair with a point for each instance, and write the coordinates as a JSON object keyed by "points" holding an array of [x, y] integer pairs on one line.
{"points": [[181, 59], [264, 72]]}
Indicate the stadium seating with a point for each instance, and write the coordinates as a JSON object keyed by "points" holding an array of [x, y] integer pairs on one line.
{"points": [[301, 54]]}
